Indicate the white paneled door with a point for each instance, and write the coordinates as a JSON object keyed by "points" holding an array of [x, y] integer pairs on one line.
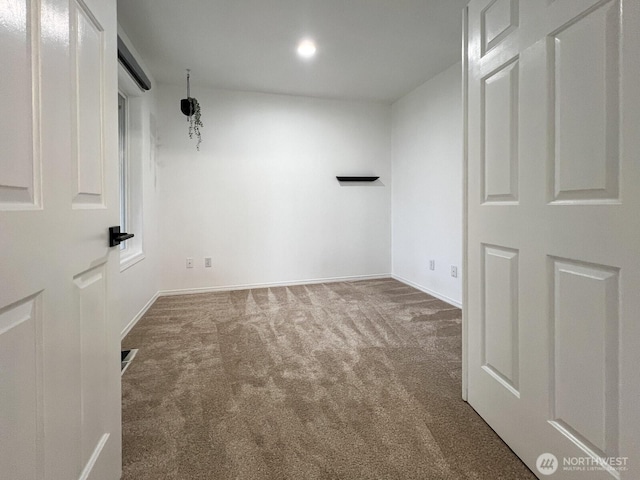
{"points": [[59, 340], [553, 231]]}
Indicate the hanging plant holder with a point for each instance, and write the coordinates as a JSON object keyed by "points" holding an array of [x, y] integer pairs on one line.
{"points": [[191, 108], [186, 105]]}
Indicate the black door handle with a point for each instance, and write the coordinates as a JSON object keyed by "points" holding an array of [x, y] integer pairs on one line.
{"points": [[116, 236]]}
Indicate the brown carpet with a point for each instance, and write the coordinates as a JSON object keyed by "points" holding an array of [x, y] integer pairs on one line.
{"points": [[348, 380]]}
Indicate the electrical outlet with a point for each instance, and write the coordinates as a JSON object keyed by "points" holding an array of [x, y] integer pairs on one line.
{"points": [[207, 262], [454, 271], [432, 264], [189, 262]]}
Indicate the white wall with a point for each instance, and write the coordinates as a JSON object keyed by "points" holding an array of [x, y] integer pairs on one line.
{"points": [[261, 197], [262, 200], [427, 185], [138, 283]]}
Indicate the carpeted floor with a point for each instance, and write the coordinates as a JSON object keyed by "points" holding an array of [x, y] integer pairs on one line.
{"points": [[349, 380]]}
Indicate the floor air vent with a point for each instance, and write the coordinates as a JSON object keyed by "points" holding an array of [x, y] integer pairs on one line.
{"points": [[126, 357]]}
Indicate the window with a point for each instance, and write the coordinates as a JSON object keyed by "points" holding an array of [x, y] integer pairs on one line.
{"points": [[130, 152], [122, 154]]}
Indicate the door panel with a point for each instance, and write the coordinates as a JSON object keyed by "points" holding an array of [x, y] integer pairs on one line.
{"points": [[19, 162], [59, 340], [586, 113], [21, 380], [501, 345], [553, 233], [500, 134], [91, 302], [585, 348], [87, 50], [498, 20]]}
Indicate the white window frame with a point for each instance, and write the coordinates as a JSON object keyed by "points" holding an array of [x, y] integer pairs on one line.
{"points": [[123, 164], [133, 251]]}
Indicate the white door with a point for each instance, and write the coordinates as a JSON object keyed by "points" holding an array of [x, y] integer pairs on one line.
{"points": [[59, 345], [553, 231]]}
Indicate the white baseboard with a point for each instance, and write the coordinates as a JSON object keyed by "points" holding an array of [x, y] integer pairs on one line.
{"points": [[439, 296], [227, 288], [138, 316]]}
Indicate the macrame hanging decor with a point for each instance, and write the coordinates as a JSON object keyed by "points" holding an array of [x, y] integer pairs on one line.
{"points": [[191, 108]]}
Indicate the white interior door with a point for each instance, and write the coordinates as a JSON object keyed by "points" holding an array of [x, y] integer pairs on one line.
{"points": [[59, 345], [553, 202]]}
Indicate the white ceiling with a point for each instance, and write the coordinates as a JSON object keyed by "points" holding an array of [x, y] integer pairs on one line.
{"points": [[367, 49]]}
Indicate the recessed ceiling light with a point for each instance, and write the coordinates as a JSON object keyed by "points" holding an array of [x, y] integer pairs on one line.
{"points": [[306, 48]]}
